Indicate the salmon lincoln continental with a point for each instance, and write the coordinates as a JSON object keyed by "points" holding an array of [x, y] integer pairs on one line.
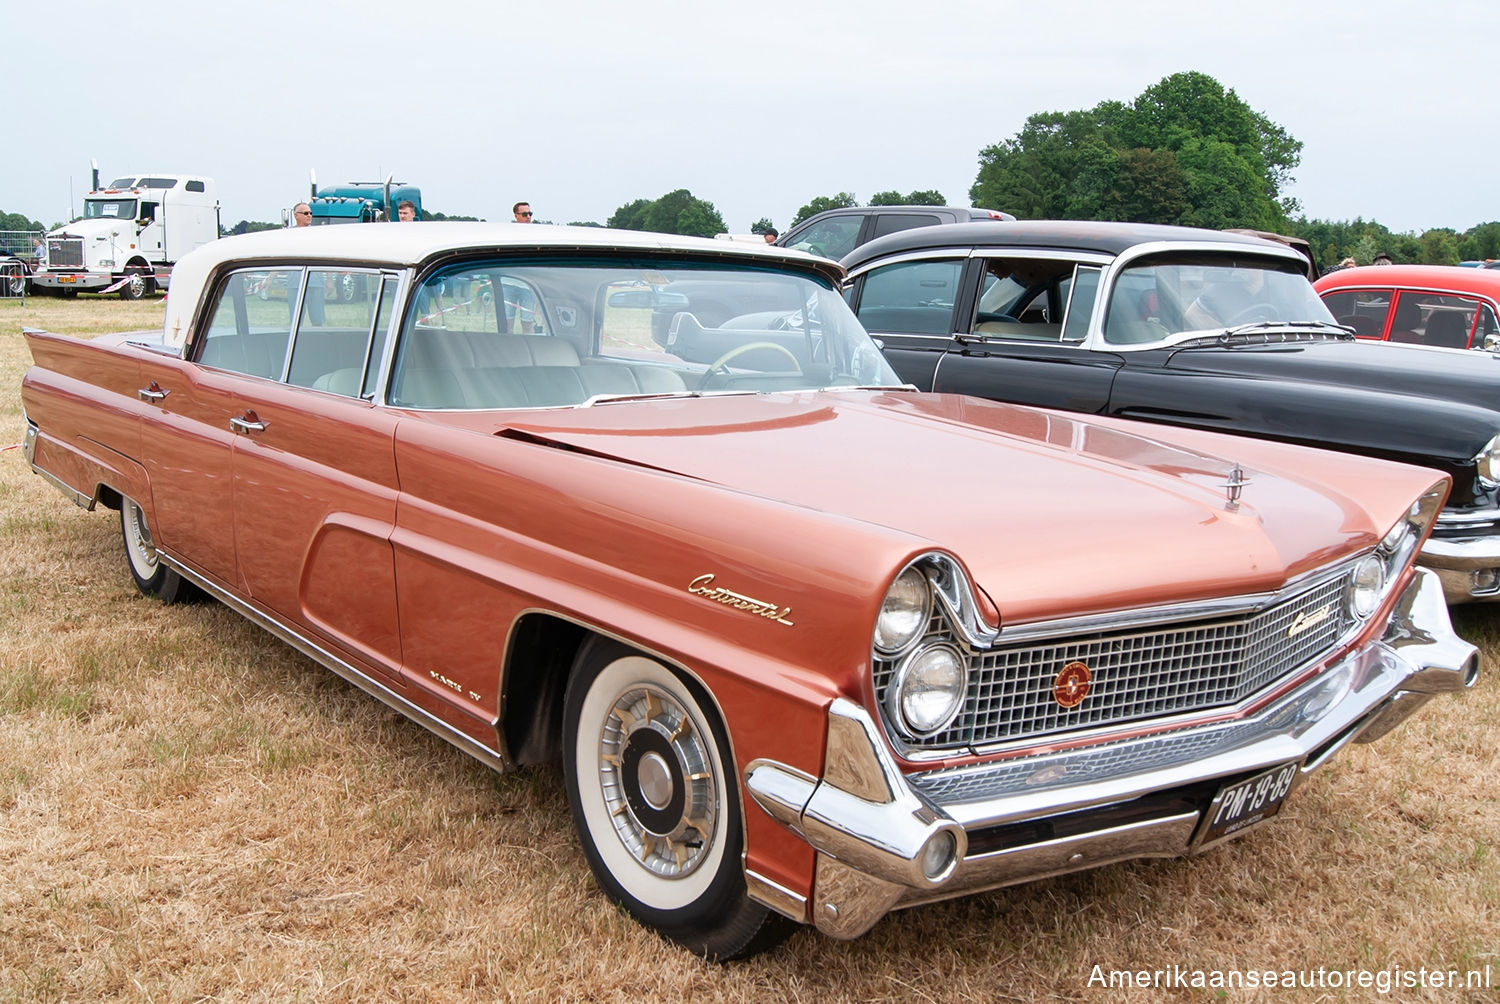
{"points": [[811, 646]]}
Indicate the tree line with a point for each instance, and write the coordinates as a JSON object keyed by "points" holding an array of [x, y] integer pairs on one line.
{"points": [[1186, 151]]}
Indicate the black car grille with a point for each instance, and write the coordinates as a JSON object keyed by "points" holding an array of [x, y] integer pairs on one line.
{"points": [[1142, 673], [64, 252]]}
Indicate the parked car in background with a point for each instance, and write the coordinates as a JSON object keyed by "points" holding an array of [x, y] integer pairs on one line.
{"points": [[785, 685], [1198, 328], [1446, 306], [835, 232]]}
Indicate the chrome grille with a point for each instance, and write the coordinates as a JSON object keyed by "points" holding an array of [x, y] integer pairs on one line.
{"points": [[1143, 673], [65, 252]]}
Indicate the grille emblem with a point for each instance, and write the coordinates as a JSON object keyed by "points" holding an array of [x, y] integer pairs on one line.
{"points": [[1306, 620], [1072, 685]]}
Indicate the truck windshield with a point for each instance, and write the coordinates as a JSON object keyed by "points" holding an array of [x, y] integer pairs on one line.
{"points": [[109, 209]]}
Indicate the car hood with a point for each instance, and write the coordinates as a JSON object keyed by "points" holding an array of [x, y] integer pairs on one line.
{"points": [[94, 228], [1049, 511], [1383, 399]]}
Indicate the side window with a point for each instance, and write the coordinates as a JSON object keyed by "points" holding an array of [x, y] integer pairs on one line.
{"points": [[1433, 319], [1018, 299], [334, 331], [382, 333], [911, 296], [832, 238], [636, 318], [1363, 310], [1083, 293], [890, 223], [1487, 334], [251, 325], [524, 314]]}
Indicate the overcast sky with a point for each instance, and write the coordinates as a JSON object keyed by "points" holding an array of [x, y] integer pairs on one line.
{"points": [[583, 105]]}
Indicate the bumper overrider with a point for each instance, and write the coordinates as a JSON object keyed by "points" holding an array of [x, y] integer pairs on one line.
{"points": [[1464, 550], [888, 840]]}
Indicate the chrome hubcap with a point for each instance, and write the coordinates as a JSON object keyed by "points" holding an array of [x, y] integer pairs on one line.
{"points": [[658, 783], [142, 551]]}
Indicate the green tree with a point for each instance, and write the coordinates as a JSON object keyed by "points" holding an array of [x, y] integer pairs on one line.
{"points": [[823, 203], [249, 227], [927, 197], [762, 226], [677, 212], [1185, 151], [1439, 247], [631, 216], [1480, 242], [15, 221]]}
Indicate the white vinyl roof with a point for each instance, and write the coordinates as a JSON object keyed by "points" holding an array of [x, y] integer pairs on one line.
{"points": [[403, 245]]}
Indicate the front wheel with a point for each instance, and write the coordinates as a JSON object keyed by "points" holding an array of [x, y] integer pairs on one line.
{"points": [[136, 286], [657, 812], [151, 575]]}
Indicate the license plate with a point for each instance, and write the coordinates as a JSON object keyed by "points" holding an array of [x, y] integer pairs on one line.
{"points": [[67, 278], [1248, 802]]}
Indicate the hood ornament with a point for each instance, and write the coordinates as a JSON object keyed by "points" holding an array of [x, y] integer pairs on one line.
{"points": [[1238, 479]]}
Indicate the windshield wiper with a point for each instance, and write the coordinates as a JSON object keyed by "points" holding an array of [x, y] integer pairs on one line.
{"points": [[658, 396]]}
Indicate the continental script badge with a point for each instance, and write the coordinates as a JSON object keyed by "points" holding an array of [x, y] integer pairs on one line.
{"points": [[704, 586]]}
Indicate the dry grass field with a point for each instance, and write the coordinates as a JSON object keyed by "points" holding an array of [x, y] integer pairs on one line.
{"points": [[190, 811]]}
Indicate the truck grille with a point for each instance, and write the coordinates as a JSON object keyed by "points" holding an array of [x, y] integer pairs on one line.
{"points": [[64, 252], [1140, 674]]}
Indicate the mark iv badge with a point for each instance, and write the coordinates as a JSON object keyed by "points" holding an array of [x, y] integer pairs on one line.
{"points": [[1072, 685]]}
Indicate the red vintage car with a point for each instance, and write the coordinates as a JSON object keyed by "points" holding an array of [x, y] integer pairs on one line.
{"points": [[811, 646], [1438, 305]]}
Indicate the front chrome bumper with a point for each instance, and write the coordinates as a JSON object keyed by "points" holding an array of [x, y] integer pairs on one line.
{"points": [[887, 840]]}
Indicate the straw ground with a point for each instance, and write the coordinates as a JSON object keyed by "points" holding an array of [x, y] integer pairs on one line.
{"points": [[191, 811]]}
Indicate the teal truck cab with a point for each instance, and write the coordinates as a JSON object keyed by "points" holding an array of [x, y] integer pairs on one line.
{"points": [[361, 201]]}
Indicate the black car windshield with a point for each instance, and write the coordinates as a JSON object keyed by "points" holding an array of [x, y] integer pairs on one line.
{"points": [[1158, 299], [516, 334]]}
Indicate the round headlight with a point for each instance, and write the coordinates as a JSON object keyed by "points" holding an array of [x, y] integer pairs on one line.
{"points": [[1365, 589], [1488, 462], [929, 689], [903, 613]]}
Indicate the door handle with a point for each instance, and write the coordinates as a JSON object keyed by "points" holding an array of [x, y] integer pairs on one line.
{"points": [[153, 392], [247, 423]]}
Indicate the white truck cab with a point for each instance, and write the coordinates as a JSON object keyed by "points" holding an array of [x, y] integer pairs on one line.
{"points": [[130, 234]]}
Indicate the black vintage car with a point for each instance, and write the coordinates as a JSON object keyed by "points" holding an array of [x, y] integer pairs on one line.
{"points": [[1188, 327]]}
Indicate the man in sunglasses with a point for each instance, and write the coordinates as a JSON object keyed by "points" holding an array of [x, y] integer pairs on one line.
{"points": [[522, 211]]}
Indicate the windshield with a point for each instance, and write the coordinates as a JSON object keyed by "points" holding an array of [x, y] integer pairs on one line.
{"points": [[1160, 298], [508, 334], [109, 209]]}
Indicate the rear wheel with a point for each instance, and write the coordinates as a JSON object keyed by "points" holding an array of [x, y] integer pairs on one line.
{"points": [[151, 575], [654, 798]]}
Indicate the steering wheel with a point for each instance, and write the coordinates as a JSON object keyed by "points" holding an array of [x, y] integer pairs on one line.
{"points": [[717, 367], [1255, 312]]}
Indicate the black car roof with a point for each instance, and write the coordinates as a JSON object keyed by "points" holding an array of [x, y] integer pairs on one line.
{"points": [[1066, 235]]}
